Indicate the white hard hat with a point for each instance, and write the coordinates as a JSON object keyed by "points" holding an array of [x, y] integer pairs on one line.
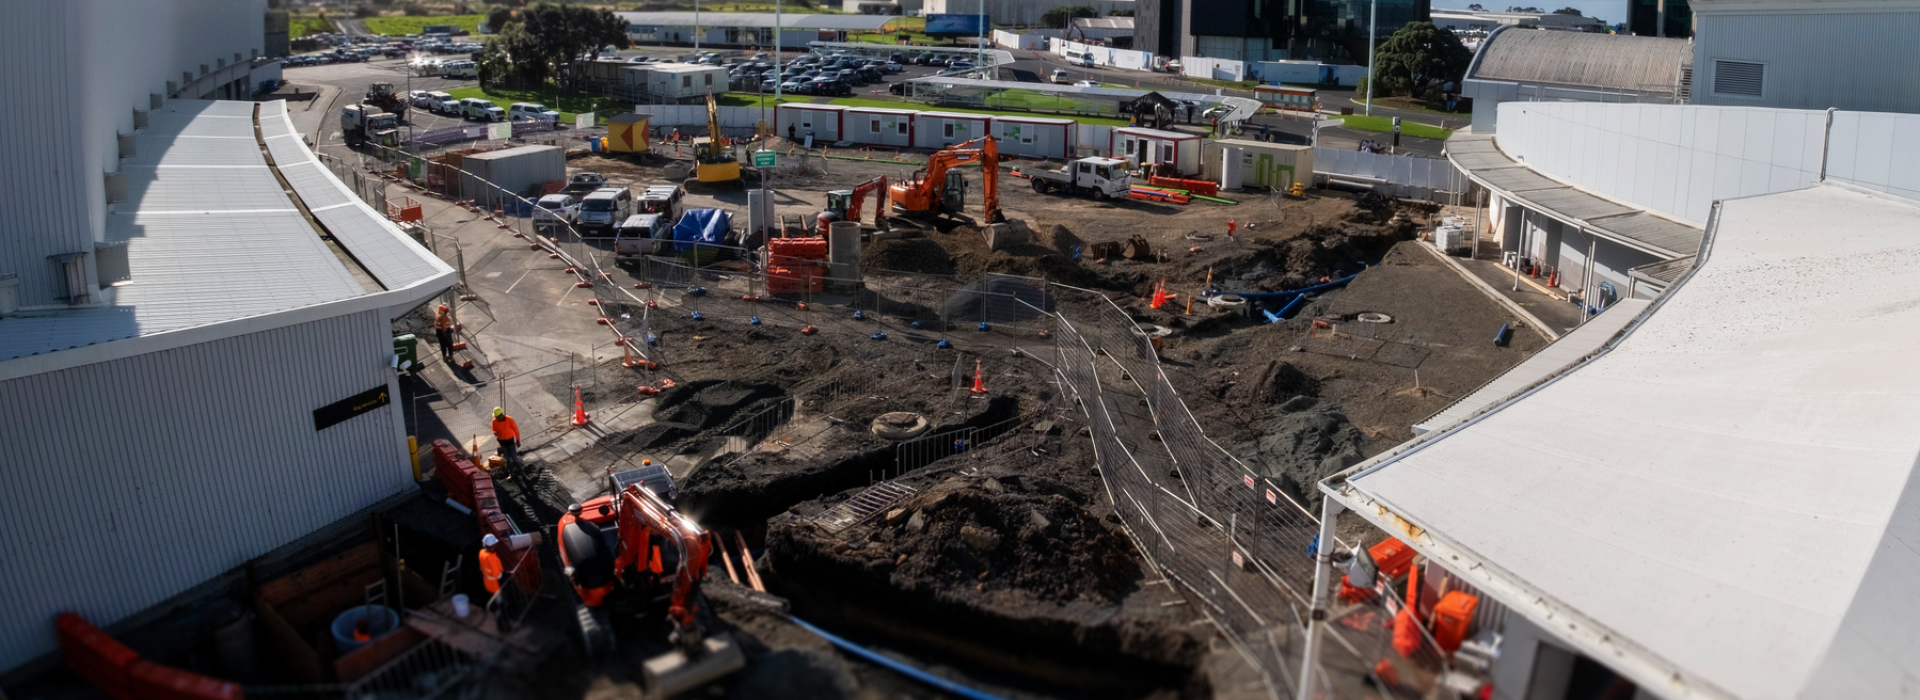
{"points": [[489, 541]]}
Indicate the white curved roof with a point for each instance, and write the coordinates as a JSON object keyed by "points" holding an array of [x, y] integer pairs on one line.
{"points": [[1724, 504]]}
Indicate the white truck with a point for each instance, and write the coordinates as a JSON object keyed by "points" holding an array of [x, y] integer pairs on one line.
{"points": [[1100, 178], [363, 123]]}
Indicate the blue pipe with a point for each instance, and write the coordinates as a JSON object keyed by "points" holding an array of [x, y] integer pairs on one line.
{"points": [[1282, 316], [1303, 290], [908, 671]]}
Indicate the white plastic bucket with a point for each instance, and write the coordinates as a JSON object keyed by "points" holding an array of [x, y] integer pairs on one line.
{"points": [[460, 605]]}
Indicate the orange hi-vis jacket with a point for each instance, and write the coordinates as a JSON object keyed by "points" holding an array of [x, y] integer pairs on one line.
{"points": [[490, 569], [505, 429]]}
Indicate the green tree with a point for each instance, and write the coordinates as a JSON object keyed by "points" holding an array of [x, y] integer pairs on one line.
{"points": [[1120, 13], [1418, 58], [551, 35], [1568, 11], [498, 18]]}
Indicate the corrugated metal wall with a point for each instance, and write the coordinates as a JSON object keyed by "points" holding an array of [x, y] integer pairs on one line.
{"points": [[101, 58], [134, 480], [1672, 159], [1850, 60]]}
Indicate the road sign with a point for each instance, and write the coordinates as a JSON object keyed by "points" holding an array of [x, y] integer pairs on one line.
{"points": [[764, 159]]}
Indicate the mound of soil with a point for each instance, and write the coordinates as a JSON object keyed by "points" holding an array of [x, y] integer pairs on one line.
{"points": [[1309, 441], [1016, 532], [962, 251], [712, 403], [917, 255], [1275, 382]]}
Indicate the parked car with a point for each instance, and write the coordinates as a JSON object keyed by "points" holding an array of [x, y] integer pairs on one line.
{"points": [[828, 87], [897, 58], [792, 85], [534, 111], [1060, 76], [923, 60], [961, 65], [899, 88], [893, 67], [482, 110]]}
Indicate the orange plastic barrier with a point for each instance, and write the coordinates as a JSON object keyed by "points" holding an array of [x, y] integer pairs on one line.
{"points": [[1199, 187]]}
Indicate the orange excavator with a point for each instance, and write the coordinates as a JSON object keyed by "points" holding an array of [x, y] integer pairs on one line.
{"points": [[844, 205], [939, 189], [632, 551]]}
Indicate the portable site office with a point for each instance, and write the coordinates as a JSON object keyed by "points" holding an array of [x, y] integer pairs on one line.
{"points": [[822, 122], [1037, 137], [879, 126], [943, 129], [1136, 145]]}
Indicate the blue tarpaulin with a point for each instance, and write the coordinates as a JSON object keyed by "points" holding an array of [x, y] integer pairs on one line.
{"points": [[701, 226]]}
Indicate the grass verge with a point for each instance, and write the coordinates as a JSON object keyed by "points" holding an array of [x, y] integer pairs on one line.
{"points": [[1384, 125], [299, 27], [412, 25]]}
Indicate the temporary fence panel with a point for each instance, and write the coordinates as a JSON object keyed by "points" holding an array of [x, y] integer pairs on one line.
{"points": [[1213, 68], [1429, 174], [1036, 137]]}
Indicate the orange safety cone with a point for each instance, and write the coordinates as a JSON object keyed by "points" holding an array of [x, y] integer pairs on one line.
{"points": [[579, 410], [979, 382]]}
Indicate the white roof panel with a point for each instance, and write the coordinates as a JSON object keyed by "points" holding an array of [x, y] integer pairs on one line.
{"points": [[757, 20], [212, 236], [1727, 498]]}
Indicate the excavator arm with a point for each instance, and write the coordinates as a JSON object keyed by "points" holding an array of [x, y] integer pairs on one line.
{"points": [[920, 193], [878, 184], [643, 515]]}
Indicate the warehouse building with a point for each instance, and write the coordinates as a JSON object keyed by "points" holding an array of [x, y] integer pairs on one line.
{"points": [[196, 352], [745, 29]]}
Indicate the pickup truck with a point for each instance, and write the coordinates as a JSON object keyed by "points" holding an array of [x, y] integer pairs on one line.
{"points": [[1100, 178], [583, 184], [642, 235]]}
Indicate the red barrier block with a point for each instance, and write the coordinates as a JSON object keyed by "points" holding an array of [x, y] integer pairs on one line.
{"points": [[97, 657], [153, 681]]}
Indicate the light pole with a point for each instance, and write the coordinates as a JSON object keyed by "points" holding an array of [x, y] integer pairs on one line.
{"points": [[1373, 15], [696, 26], [779, 62]]}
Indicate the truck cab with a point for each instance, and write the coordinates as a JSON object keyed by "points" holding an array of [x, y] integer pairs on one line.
{"points": [[1100, 178], [642, 235], [603, 210]]}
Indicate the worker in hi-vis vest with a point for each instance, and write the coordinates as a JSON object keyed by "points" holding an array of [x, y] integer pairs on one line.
{"points": [[490, 567], [507, 433]]}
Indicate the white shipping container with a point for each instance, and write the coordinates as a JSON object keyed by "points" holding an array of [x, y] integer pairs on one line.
{"points": [[943, 129], [879, 126], [1036, 137], [800, 120]]}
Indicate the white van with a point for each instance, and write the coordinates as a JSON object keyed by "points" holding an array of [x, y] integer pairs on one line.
{"points": [[601, 211]]}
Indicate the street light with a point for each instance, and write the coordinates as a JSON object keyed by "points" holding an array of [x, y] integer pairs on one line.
{"points": [[1373, 15]]}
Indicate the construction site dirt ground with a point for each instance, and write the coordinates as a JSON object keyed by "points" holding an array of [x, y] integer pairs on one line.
{"points": [[1000, 562], [1003, 568]]}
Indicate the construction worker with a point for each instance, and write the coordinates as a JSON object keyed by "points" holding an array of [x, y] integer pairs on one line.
{"points": [[507, 433], [443, 331], [1231, 227], [490, 567]]}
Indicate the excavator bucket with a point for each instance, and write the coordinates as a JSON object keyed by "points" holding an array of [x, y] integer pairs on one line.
{"points": [[678, 671]]}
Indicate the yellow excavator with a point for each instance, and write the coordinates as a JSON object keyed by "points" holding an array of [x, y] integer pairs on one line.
{"points": [[713, 160]]}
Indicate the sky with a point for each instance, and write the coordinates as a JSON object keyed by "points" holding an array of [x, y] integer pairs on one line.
{"points": [[1609, 11]]}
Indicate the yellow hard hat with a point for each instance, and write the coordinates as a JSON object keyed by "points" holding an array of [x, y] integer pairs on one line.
{"points": [[498, 411]]}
